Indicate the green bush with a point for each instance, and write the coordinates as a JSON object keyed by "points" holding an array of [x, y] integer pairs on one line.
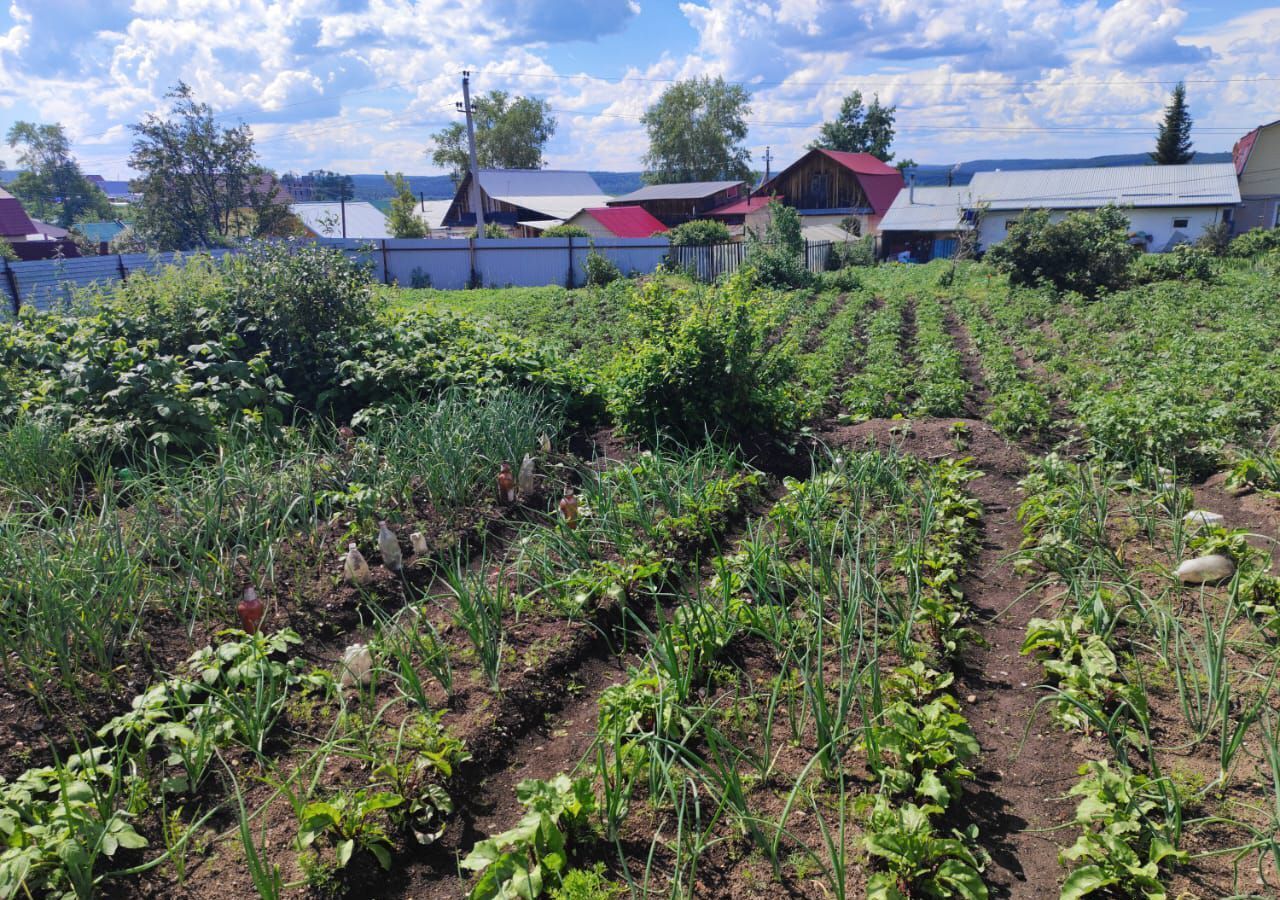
{"points": [[1216, 238], [564, 231], [705, 363], [778, 257], [1183, 263], [1252, 243], [698, 233], [1086, 252], [491, 230], [600, 269], [844, 254]]}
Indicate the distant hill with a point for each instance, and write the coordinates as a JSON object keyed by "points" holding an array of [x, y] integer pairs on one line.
{"points": [[440, 187], [927, 174]]}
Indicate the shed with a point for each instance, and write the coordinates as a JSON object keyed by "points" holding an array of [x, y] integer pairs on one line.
{"points": [[514, 195], [617, 221], [674, 204], [926, 222]]}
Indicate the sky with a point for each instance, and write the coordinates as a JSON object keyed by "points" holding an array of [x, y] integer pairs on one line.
{"points": [[360, 85]]}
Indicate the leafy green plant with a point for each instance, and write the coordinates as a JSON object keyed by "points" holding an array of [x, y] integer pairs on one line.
{"points": [[533, 856], [920, 862], [1120, 850], [350, 822], [699, 232], [600, 269]]}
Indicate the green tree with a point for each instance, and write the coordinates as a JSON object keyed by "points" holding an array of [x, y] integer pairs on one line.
{"points": [[403, 221], [859, 129], [696, 133], [1173, 141], [201, 186], [511, 133], [699, 233], [52, 187]]}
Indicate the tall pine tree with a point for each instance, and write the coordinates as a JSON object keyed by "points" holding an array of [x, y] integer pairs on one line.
{"points": [[1173, 143]]}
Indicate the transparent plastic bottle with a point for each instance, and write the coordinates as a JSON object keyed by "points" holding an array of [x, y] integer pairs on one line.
{"points": [[389, 547], [525, 480], [356, 569], [356, 666]]}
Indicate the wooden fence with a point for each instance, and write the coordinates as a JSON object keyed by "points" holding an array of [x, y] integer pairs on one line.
{"points": [[707, 263]]}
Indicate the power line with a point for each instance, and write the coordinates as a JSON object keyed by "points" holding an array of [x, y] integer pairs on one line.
{"points": [[893, 82]]}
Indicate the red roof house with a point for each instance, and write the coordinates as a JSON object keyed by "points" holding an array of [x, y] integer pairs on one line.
{"points": [[827, 186], [617, 221]]}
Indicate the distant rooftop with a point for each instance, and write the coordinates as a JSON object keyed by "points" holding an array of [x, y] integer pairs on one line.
{"points": [[1203, 184], [325, 218], [687, 190]]}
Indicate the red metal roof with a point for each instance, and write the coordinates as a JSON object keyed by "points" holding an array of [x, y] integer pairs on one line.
{"points": [[14, 221], [626, 221], [1240, 152], [742, 206], [862, 163]]}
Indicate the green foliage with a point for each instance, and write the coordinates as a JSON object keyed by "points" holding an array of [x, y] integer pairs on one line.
{"points": [[697, 130], [532, 857], [699, 233], [1173, 141], [201, 186], [57, 823], [1254, 242], [600, 269], [920, 862], [403, 222], [1183, 263], [7, 252], [1216, 239], [859, 129], [777, 258], [588, 884], [511, 133], [860, 252], [492, 231], [1120, 849], [1086, 252], [350, 822], [705, 362], [52, 187], [564, 231]]}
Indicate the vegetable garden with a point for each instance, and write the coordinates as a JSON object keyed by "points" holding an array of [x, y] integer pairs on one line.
{"points": [[911, 583]]}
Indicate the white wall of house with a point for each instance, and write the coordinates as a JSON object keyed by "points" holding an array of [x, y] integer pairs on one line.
{"points": [[1161, 222], [590, 224]]}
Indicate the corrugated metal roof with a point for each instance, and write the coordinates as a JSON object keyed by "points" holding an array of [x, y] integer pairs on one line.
{"points": [[862, 163], [742, 206], [538, 183], [626, 221], [688, 190], [551, 207], [934, 209], [101, 232], [432, 212], [324, 219], [1206, 184]]}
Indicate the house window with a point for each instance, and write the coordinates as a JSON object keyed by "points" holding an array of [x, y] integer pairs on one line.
{"points": [[1181, 222]]}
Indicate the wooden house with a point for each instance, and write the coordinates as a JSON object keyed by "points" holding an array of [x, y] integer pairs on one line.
{"points": [[829, 186], [675, 204]]}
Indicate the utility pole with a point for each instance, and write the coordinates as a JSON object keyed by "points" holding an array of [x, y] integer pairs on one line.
{"points": [[477, 199], [768, 158]]}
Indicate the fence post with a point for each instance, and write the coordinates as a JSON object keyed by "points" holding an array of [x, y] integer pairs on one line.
{"points": [[386, 272], [568, 282], [13, 286], [471, 251], [124, 273]]}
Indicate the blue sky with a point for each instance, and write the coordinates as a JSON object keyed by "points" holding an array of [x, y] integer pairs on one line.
{"points": [[359, 85]]}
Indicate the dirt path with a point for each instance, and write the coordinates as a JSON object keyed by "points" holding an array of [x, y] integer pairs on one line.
{"points": [[1019, 786], [979, 396]]}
